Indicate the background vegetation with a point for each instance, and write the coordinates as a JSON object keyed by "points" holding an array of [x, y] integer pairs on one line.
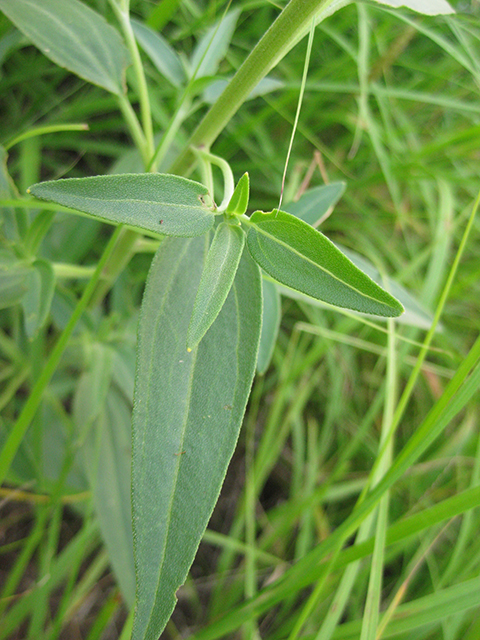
{"points": [[392, 108]]}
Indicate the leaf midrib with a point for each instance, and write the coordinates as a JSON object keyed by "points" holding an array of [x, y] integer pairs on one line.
{"points": [[315, 264]]}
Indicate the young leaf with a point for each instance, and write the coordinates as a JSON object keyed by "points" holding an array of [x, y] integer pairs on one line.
{"points": [[37, 300], [297, 255], [187, 415], [239, 201], [270, 324], [165, 59], [73, 36], [315, 203], [213, 46], [157, 202], [216, 281]]}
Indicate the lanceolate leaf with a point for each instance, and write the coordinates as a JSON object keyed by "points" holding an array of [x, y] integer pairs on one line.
{"points": [[297, 255], [271, 317], [316, 202], [216, 281], [187, 415], [74, 37], [239, 201], [157, 202], [165, 59]]}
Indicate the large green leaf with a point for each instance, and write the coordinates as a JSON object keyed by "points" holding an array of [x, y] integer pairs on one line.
{"points": [[187, 414], [297, 255], [74, 37], [157, 202], [216, 281]]}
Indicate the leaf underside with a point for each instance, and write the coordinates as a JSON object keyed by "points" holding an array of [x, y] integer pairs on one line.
{"points": [[187, 415], [161, 203], [74, 37]]}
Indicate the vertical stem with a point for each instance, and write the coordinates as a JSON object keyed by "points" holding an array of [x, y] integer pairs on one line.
{"points": [[123, 17], [283, 34]]}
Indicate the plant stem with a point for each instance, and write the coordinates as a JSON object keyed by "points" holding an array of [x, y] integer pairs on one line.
{"points": [[17, 434], [134, 126], [123, 17], [283, 34]]}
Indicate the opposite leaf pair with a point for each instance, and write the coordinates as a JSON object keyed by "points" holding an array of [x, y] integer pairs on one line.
{"points": [[287, 248]]}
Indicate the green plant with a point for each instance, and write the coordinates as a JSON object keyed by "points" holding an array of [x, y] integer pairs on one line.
{"points": [[200, 324]]}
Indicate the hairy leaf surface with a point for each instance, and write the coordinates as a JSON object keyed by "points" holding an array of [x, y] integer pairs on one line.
{"points": [[73, 36], [162, 203], [187, 415], [297, 255], [216, 281]]}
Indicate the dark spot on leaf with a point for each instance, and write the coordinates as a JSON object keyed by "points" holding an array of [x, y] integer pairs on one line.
{"points": [[228, 407]]}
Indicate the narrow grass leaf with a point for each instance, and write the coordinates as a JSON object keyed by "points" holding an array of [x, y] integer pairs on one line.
{"points": [[266, 85], [424, 612], [73, 36], [271, 316], [162, 203], [165, 59], [297, 255], [213, 46], [216, 281], [316, 202], [187, 415]]}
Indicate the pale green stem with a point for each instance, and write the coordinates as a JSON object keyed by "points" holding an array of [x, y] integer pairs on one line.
{"points": [[78, 272], [283, 34], [41, 131], [123, 17], [134, 126], [25, 418], [169, 135], [228, 180]]}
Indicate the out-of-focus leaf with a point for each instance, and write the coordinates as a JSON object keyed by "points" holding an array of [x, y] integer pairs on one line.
{"points": [[187, 414], [162, 203], [37, 300], [270, 324], [217, 277], [316, 202], [427, 7], [73, 36], [14, 279], [7, 190], [165, 59], [107, 455], [297, 255], [266, 85], [213, 46]]}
